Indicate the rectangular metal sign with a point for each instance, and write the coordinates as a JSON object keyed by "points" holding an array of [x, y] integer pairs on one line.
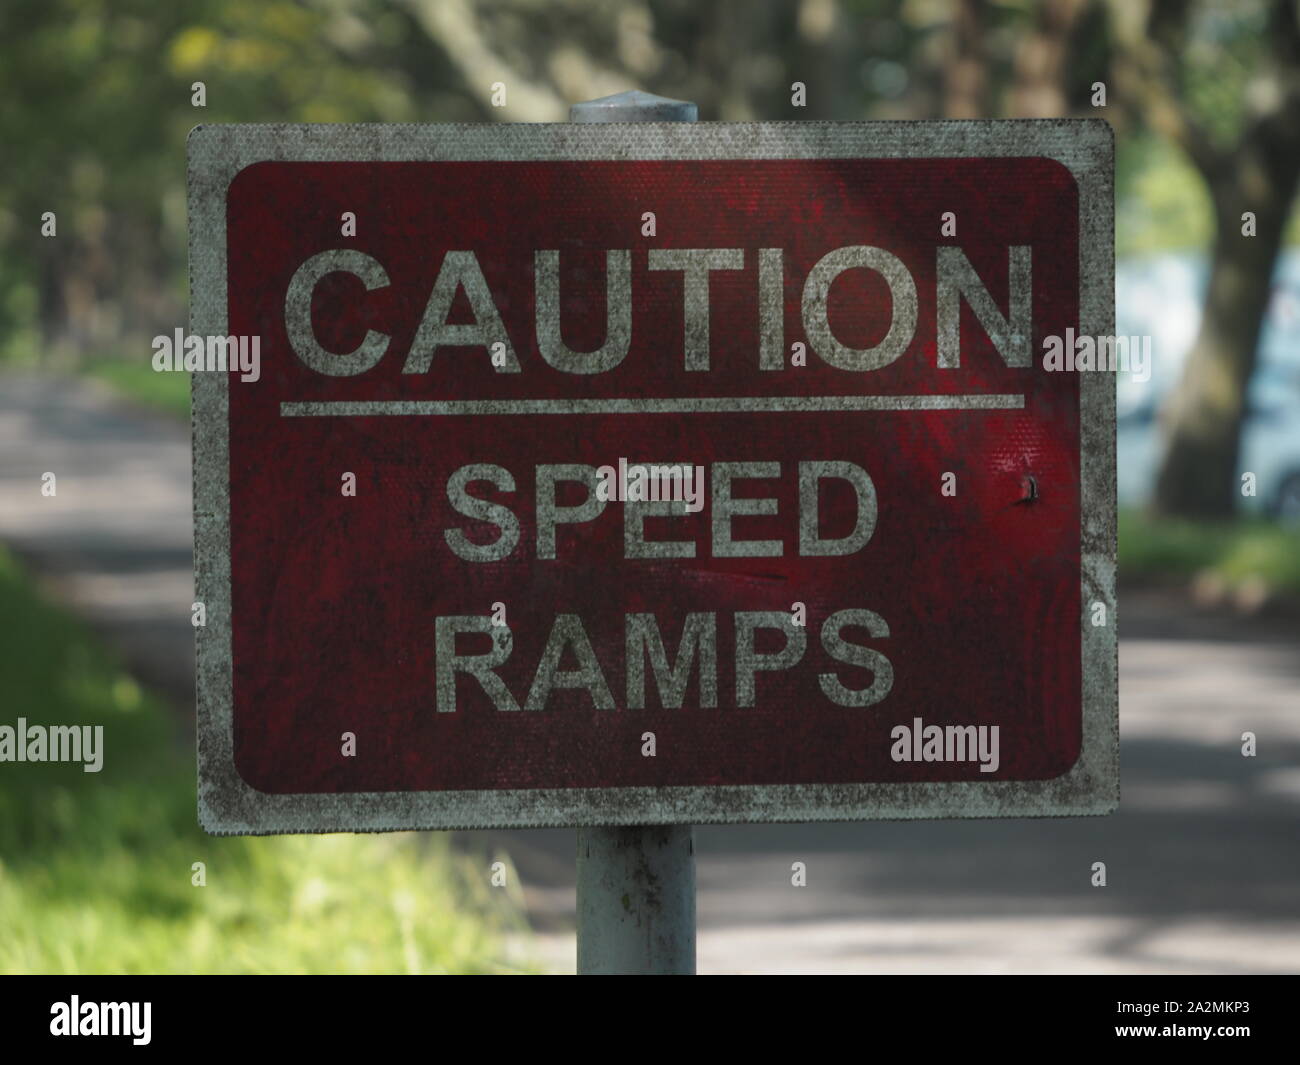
{"points": [[652, 474]]}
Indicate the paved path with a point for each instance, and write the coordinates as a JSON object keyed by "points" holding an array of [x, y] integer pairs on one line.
{"points": [[1203, 858], [116, 541]]}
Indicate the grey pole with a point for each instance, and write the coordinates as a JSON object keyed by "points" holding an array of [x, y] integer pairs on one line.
{"points": [[636, 884], [636, 900]]}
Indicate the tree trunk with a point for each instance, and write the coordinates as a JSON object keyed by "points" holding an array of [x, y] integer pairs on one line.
{"points": [[966, 84], [1038, 89], [1198, 476]]}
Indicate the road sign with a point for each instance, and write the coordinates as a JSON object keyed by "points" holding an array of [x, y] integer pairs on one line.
{"points": [[653, 474]]}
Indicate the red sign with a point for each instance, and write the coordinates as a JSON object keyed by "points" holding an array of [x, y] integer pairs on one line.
{"points": [[612, 476]]}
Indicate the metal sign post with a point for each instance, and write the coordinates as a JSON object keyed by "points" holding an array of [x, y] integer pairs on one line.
{"points": [[636, 884]]}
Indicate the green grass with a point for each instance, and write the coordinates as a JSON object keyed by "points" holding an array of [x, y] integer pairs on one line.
{"points": [[1162, 549], [138, 381], [95, 869]]}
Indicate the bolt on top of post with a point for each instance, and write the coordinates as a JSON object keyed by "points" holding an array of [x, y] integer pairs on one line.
{"points": [[634, 106]]}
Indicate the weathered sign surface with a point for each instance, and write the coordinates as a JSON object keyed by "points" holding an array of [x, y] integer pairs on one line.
{"points": [[653, 474]]}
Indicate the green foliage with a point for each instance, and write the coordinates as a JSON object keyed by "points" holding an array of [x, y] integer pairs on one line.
{"points": [[1162, 203], [1226, 46], [1161, 549], [167, 392], [95, 104], [95, 868]]}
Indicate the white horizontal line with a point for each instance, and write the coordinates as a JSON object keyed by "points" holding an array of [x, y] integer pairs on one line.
{"points": [[692, 405]]}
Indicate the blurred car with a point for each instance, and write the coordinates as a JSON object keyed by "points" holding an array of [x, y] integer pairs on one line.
{"points": [[1160, 297]]}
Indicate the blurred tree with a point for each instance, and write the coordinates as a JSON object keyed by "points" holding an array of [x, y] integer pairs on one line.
{"points": [[95, 104], [737, 59], [1221, 82], [1042, 87], [967, 92], [1227, 91]]}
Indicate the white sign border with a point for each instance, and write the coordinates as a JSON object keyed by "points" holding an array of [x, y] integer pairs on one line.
{"points": [[229, 806]]}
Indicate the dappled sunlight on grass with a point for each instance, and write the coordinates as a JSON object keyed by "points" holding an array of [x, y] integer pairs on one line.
{"points": [[96, 868]]}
